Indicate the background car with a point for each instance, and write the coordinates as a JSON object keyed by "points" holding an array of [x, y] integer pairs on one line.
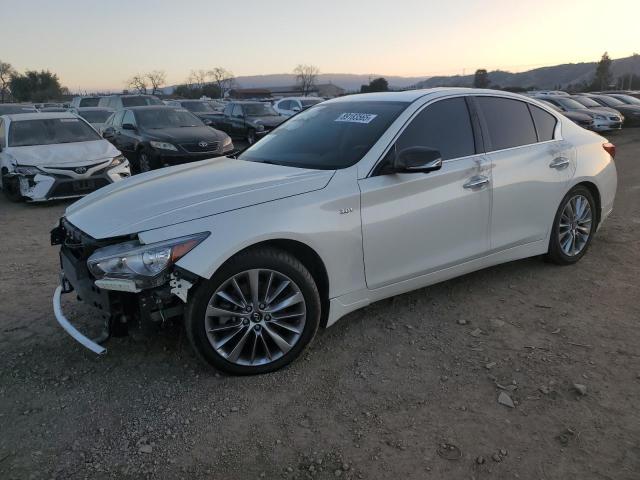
{"points": [[45, 156], [602, 119], [247, 120], [9, 108], [86, 101], [159, 135], [291, 105], [200, 108], [96, 116], [631, 112], [118, 102], [53, 109], [582, 119]]}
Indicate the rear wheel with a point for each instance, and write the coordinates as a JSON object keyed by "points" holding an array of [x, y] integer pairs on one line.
{"points": [[11, 187], [573, 227], [256, 315], [251, 137]]}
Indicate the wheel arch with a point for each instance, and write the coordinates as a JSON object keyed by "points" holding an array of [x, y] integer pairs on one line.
{"points": [[595, 192], [305, 255]]}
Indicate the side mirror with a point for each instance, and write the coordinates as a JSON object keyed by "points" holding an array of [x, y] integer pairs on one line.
{"points": [[207, 122], [295, 109], [417, 159], [128, 126], [108, 132]]}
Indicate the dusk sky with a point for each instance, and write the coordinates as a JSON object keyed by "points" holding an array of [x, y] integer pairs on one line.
{"points": [[99, 44]]}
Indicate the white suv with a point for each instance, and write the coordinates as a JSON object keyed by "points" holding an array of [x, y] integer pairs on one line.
{"points": [[351, 201], [292, 105]]}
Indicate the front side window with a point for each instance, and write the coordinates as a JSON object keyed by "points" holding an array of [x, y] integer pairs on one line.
{"points": [[129, 118], [326, 137], [508, 122], [117, 120], [444, 126], [285, 105], [50, 131], [237, 111], [166, 118], [545, 123]]}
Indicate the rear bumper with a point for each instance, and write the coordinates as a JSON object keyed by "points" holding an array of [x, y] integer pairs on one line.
{"points": [[70, 329]]}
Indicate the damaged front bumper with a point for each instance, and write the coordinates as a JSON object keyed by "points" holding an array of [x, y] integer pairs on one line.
{"points": [[57, 183]]}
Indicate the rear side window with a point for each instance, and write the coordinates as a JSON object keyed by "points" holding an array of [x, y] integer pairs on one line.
{"points": [[445, 126], [508, 121], [545, 123], [285, 105]]}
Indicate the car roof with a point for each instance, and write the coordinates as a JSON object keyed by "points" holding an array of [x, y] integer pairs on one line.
{"points": [[413, 95], [94, 109], [14, 117], [151, 107]]}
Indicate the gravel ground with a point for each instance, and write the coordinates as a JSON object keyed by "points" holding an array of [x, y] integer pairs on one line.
{"points": [[408, 387]]}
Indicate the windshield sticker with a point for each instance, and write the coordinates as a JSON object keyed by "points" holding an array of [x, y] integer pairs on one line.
{"points": [[356, 117], [69, 120]]}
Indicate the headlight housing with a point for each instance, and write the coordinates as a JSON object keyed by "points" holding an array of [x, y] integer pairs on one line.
{"points": [[227, 142], [119, 160], [259, 127], [143, 264], [27, 170], [163, 146]]}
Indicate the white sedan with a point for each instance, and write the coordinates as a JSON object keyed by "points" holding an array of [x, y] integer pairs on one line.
{"points": [[289, 106], [351, 201], [45, 156]]}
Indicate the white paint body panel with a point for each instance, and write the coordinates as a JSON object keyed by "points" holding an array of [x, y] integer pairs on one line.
{"points": [[405, 231]]}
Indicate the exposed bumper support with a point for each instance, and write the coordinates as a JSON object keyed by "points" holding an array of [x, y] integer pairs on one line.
{"points": [[70, 329]]}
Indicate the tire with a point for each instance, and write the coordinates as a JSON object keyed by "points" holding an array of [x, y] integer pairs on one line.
{"points": [[144, 162], [251, 137], [573, 229], [249, 348], [11, 188]]}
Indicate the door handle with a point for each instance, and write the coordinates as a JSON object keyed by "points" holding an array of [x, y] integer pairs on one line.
{"points": [[476, 182], [559, 163]]}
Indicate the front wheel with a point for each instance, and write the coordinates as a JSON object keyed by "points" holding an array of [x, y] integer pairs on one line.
{"points": [[256, 315], [573, 227], [145, 162], [251, 137]]}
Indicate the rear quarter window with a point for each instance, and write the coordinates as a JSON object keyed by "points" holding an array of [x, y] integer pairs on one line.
{"points": [[508, 122], [545, 123]]}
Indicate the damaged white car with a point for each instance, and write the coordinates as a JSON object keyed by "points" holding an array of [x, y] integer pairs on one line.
{"points": [[46, 156]]}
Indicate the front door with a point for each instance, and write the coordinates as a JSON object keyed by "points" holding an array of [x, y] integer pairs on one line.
{"points": [[417, 223]]}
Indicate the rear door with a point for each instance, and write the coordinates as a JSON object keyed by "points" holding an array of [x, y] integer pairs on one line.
{"points": [[417, 223], [531, 166]]}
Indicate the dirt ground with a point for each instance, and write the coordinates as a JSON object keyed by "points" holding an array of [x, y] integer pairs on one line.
{"points": [[375, 397]]}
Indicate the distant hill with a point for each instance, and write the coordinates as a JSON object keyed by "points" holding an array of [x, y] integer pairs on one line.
{"points": [[558, 76]]}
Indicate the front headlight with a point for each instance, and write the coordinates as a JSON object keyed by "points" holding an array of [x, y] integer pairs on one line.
{"points": [[163, 146], [227, 141], [119, 160], [27, 170], [259, 127], [134, 261]]}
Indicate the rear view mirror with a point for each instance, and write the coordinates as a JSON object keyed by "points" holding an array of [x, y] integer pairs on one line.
{"points": [[417, 159]]}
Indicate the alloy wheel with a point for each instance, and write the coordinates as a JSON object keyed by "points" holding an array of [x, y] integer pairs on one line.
{"points": [[255, 317], [143, 162], [575, 225]]}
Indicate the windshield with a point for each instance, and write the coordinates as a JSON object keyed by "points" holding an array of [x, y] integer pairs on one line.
{"points": [[95, 116], [200, 107], [139, 101], [9, 109], [570, 104], [587, 102], [628, 99], [166, 118], [24, 133], [89, 102], [610, 101], [326, 137], [259, 110], [309, 102]]}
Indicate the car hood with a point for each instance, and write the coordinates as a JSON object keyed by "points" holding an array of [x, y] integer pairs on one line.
{"points": [[80, 153], [185, 134], [186, 192], [268, 121]]}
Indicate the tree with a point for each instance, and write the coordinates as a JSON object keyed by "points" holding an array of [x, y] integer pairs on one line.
{"points": [[376, 85], [481, 79], [156, 79], [33, 86], [197, 78], [6, 72], [603, 76], [223, 79], [306, 76], [138, 83]]}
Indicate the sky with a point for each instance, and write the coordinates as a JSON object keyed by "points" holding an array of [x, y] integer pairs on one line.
{"points": [[99, 44]]}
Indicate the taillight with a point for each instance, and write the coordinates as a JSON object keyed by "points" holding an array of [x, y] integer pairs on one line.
{"points": [[610, 148]]}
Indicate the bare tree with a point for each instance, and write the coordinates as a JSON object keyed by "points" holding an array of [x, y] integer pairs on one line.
{"points": [[138, 83], [156, 79], [223, 78], [6, 72], [306, 77], [197, 78]]}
